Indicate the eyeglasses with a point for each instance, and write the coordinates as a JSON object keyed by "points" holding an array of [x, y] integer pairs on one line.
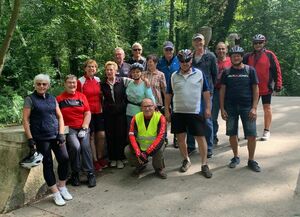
{"points": [[147, 106], [136, 49], [168, 49], [41, 84], [258, 42]]}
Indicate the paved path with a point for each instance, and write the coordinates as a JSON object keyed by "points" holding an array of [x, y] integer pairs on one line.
{"points": [[275, 192]]}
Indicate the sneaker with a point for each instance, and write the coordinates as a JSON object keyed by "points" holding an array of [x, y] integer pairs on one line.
{"points": [[209, 154], [74, 180], [113, 163], [91, 180], [185, 165], [120, 164], [160, 173], [205, 171], [125, 161], [191, 151], [103, 163], [253, 165], [234, 162], [266, 135], [97, 166], [138, 170], [58, 200], [216, 140], [65, 193]]}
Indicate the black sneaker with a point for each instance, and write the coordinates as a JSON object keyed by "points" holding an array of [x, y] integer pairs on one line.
{"points": [[185, 165], [234, 162], [209, 154], [91, 180], [139, 169], [191, 151], [74, 180], [205, 171], [253, 165], [160, 173]]}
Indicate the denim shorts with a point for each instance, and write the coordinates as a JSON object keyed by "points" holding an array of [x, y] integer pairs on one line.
{"points": [[234, 112]]}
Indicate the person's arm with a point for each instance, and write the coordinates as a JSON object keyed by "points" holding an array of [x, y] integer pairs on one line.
{"points": [[149, 94], [222, 99], [159, 141], [163, 85], [253, 111], [132, 138], [214, 69], [86, 119], [61, 124], [207, 112], [168, 99], [26, 122]]}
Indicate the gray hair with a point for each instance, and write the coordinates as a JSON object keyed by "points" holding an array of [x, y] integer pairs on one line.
{"points": [[136, 44], [119, 49], [41, 77]]}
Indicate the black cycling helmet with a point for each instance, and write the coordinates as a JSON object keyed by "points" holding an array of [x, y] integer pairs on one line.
{"points": [[259, 37], [137, 66], [32, 160], [236, 49], [185, 55]]}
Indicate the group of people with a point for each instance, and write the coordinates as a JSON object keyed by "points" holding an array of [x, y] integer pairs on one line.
{"points": [[94, 124]]}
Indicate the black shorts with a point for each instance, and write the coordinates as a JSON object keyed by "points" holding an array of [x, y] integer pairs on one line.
{"points": [[97, 122], [194, 123], [266, 99]]}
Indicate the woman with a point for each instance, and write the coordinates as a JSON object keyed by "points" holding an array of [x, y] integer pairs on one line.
{"points": [[136, 91], [44, 127], [89, 85], [157, 80], [114, 109], [77, 116]]}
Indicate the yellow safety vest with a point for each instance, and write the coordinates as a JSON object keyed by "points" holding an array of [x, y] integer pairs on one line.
{"points": [[145, 137]]}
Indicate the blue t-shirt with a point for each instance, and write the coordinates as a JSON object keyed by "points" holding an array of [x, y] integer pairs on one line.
{"points": [[168, 67], [238, 84]]}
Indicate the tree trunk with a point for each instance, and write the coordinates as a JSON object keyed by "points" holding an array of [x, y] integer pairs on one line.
{"points": [[172, 20], [9, 33]]}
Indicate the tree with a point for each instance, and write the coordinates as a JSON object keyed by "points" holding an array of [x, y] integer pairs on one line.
{"points": [[9, 33]]}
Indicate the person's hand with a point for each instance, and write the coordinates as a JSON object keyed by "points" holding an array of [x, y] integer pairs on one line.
{"points": [[224, 115], [143, 158], [82, 132], [167, 115], [252, 114], [60, 139], [207, 113], [277, 88], [147, 82]]}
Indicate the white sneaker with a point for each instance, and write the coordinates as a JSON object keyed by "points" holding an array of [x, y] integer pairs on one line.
{"points": [[58, 200], [113, 163], [120, 164], [65, 193], [266, 135]]}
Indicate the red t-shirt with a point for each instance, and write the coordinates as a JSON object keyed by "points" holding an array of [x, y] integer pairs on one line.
{"points": [[221, 66], [73, 107], [92, 90]]}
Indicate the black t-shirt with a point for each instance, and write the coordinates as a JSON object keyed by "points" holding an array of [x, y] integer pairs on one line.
{"points": [[238, 84]]}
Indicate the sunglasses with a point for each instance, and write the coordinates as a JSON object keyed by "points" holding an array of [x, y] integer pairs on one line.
{"points": [[258, 42], [186, 60], [136, 49], [168, 49], [41, 84]]}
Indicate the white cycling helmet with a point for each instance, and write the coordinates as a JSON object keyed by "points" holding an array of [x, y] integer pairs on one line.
{"points": [[32, 160]]}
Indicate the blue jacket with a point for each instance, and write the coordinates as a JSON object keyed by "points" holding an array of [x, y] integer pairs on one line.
{"points": [[168, 67]]}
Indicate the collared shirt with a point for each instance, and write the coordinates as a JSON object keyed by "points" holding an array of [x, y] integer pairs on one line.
{"points": [[158, 84]]}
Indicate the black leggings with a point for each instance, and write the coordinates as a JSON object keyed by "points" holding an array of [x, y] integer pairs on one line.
{"points": [[62, 157]]}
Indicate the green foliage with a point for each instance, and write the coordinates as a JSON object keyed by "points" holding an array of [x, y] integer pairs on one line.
{"points": [[10, 107]]}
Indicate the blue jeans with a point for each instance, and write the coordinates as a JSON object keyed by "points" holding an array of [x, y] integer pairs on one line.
{"points": [[215, 112], [208, 130]]}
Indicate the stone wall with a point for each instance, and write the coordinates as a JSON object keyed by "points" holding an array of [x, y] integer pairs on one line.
{"points": [[18, 186]]}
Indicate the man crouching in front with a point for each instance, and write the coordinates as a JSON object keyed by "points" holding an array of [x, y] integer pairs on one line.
{"points": [[146, 136]]}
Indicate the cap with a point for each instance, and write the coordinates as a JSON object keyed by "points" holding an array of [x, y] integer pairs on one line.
{"points": [[168, 44], [198, 35]]}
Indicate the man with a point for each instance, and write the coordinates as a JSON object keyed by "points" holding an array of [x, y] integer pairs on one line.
{"points": [[137, 57], [223, 62], [207, 63], [146, 135], [123, 67], [186, 116], [168, 64], [268, 70], [239, 98]]}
